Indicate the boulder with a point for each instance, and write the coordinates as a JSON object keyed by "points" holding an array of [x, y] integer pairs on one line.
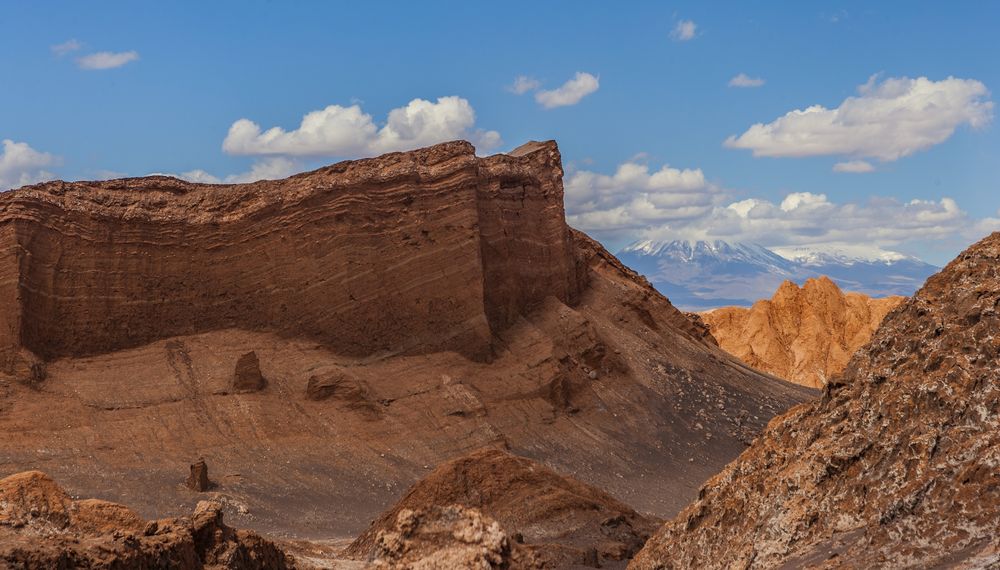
{"points": [[248, 377], [197, 479]]}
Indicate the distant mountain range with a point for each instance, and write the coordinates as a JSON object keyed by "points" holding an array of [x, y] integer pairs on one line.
{"points": [[699, 275]]}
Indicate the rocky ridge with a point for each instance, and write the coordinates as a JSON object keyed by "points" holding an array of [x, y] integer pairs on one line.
{"points": [[557, 520], [895, 466], [42, 527], [803, 334]]}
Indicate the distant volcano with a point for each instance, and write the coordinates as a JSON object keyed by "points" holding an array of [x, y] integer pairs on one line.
{"points": [[701, 275]]}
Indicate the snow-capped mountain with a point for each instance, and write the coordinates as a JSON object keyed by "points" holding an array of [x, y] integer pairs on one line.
{"points": [[699, 275], [845, 255]]}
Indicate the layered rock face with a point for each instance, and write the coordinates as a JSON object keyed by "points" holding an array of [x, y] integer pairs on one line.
{"points": [[805, 335], [350, 255], [559, 521], [895, 467], [43, 527], [402, 311]]}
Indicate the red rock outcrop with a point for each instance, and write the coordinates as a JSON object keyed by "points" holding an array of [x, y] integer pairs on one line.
{"points": [[895, 467], [562, 521], [42, 527], [405, 310], [805, 335]]}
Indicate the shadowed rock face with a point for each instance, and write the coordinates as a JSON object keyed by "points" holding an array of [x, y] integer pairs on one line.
{"points": [[805, 335], [404, 310], [897, 464]]}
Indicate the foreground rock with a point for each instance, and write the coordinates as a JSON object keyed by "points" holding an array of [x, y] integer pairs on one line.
{"points": [[895, 467], [447, 537], [405, 308], [42, 527], [558, 519], [805, 335]]}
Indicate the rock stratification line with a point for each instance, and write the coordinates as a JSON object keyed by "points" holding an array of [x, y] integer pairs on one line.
{"points": [[416, 252]]}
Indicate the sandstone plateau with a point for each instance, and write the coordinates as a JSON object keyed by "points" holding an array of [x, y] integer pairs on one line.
{"points": [[896, 466], [402, 311], [803, 334]]}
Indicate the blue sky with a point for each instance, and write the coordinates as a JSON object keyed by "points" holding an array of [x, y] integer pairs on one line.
{"points": [[176, 76]]}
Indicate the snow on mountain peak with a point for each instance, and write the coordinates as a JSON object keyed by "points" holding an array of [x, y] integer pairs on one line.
{"points": [[840, 254]]}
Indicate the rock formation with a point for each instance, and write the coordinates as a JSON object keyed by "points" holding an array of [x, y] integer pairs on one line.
{"points": [[805, 335], [896, 465], [197, 479], [42, 527], [557, 518], [436, 301], [447, 537], [93, 267], [247, 377]]}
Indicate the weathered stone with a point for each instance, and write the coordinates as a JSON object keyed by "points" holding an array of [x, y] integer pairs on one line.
{"points": [[197, 479], [248, 377]]}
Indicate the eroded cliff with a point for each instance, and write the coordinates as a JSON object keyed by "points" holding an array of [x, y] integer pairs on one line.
{"points": [[349, 255]]}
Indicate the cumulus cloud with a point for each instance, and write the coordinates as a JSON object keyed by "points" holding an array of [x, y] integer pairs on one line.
{"points": [[570, 93], [744, 80], [349, 131], [20, 164], [684, 30], [106, 60], [886, 121], [854, 166], [66, 47], [269, 168], [634, 198], [635, 203], [522, 84]]}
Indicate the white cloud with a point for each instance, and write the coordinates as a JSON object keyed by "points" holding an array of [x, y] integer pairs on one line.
{"points": [[20, 164], [684, 30], [522, 84], [570, 93], [634, 198], [269, 168], [634, 204], [886, 121], [854, 166], [66, 47], [744, 80], [106, 59], [350, 132]]}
